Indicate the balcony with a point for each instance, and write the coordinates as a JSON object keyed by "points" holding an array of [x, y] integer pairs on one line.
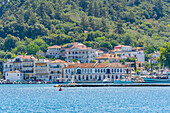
{"points": [[27, 66]]}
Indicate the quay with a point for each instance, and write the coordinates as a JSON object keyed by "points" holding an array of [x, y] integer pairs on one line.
{"points": [[113, 85]]}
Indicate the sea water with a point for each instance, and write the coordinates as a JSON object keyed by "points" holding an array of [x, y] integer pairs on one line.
{"points": [[46, 98]]}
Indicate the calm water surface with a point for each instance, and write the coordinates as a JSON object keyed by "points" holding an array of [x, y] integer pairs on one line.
{"points": [[46, 98]]}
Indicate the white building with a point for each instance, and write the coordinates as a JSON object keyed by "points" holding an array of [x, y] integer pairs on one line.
{"points": [[25, 64], [81, 53], [42, 69], [128, 51], [55, 68], [54, 51], [153, 58], [13, 76], [95, 72]]}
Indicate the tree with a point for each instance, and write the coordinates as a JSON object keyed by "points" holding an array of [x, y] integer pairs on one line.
{"points": [[21, 49], [147, 65], [8, 55], [84, 21], [106, 45], [119, 27], [10, 42], [44, 47], [2, 54], [32, 48], [113, 43], [164, 57]]}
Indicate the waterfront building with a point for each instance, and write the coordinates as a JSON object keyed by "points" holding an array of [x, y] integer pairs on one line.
{"points": [[7, 66], [80, 52], [13, 76], [54, 51], [25, 64], [42, 69], [128, 51], [55, 68], [108, 58], [95, 72], [153, 58]]}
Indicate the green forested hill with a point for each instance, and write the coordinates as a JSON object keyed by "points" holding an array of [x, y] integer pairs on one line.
{"points": [[27, 26]]}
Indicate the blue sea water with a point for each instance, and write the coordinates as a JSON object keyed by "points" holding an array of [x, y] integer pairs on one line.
{"points": [[46, 98]]}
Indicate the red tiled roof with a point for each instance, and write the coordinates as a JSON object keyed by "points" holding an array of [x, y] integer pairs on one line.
{"points": [[108, 56], [13, 72], [25, 56], [98, 65], [58, 61], [81, 65], [54, 46]]}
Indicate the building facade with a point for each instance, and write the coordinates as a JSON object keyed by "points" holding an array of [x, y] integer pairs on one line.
{"points": [[108, 58], [81, 53], [54, 51], [95, 72], [13, 76], [128, 51], [55, 68]]}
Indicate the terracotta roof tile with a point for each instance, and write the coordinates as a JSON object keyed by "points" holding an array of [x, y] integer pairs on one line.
{"points": [[26, 56], [13, 72], [58, 61], [54, 46], [108, 56], [98, 65]]}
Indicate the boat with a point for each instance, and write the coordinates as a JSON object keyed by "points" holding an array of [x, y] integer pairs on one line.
{"points": [[62, 80], [124, 81], [106, 80], [156, 80]]}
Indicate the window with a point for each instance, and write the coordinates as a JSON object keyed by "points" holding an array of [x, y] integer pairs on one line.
{"points": [[17, 74], [103, 76], [95, 70], [117, 70], [95, 76], [120, 70], [90, 76]]}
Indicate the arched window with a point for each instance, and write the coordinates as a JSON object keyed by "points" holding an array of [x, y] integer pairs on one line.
{"points": [[116, 77], [66, 76], [75, 77], [112, 76], [90, 76], [95, 70], [103, 76], [98, 70], [79, 77], [96, 77], [83, 77], [87, 78], [117, 70], [99, 77], [108, 76]]}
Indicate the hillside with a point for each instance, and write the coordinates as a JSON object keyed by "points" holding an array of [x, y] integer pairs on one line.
{"points": [[27, 26]]}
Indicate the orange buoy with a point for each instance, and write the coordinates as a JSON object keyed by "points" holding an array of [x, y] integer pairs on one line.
{"points": [[60, 89]]}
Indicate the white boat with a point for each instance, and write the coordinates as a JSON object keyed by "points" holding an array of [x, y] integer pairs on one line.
{"points": [[124, 81], [106, 80], [62, 80]]}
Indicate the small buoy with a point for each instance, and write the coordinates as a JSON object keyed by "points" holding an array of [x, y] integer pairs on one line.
{"points": [[60, 89]]}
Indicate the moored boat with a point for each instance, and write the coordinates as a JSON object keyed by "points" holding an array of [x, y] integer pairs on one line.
{"points": [[124, 81], [156, 80], [107, 80]]}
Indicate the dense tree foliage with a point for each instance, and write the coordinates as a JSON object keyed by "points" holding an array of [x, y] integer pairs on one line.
{"points": [[96, 23]]}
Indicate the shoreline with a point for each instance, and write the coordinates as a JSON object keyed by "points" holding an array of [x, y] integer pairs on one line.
{"points": [[113, 85]]}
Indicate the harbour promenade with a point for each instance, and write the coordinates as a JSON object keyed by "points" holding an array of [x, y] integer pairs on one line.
{"points": [[113, 85]]}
